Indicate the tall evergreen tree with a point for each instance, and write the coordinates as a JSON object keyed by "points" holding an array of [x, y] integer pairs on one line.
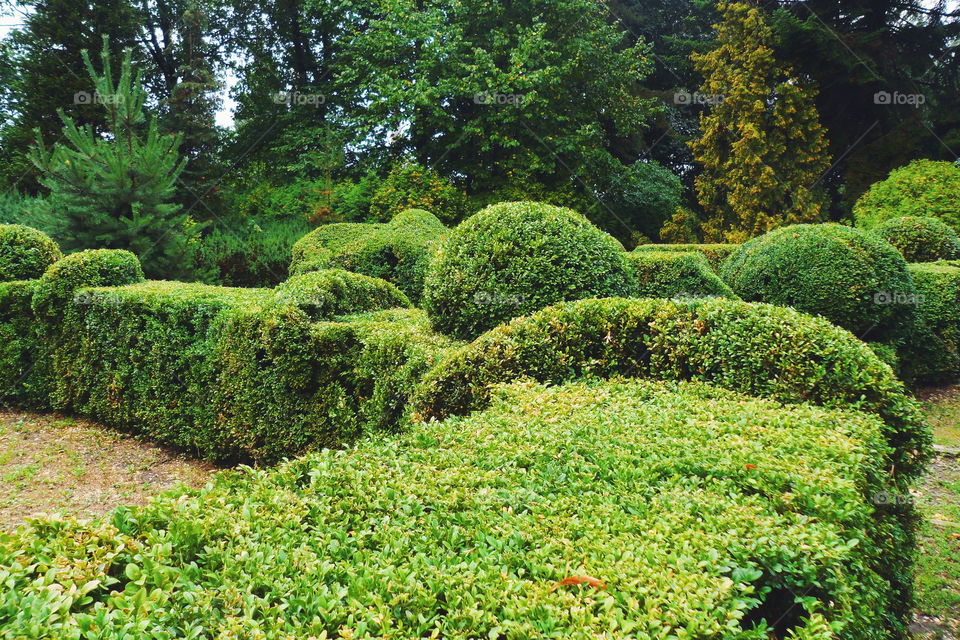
{"points": [[116, 190], [762, 148], [50, 74]]}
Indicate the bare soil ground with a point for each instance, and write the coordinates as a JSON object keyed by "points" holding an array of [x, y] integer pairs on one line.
{"points": [[56, 465]]}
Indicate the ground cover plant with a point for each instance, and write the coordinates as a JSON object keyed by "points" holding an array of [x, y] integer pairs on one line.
{"points": [[646, 514]]}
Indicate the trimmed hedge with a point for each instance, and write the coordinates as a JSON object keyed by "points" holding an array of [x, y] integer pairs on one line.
{"points": [[708, 522], [25, 349], [935, 355], [25, 253], [331, 238], [91, 268], [849, 276], [242, 374], [674, 274], [922, 188], [516, 257], [760, 350], [921, 239], [715, 253], [398, 252], [335, 292]]}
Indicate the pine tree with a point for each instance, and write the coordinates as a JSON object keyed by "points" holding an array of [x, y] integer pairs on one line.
{"points": [[115, 190], [762, 147]]}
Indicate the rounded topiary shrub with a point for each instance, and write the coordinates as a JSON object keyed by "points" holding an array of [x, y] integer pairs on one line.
{"points": [[675, 274], [25, 253], [334, 292], [849, 276], [419, 219], [921, 239], [321, 243], [91, 268], [517, 257], [922, 188]]}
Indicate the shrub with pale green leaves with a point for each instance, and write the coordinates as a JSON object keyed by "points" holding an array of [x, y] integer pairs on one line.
{"points": [[25, 253], [674, 274], [585, 511], [923, 188]]}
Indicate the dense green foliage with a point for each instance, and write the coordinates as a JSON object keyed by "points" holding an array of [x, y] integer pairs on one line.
{"points": [[117, 190], [741, 504], [398, 252], [91, 268], [637, 199], [715, 253], [517, 257], [334, 292], [936, 340], [762, 148], [920, 239], [849, 276], [250, 253], [25, 253], [243, 374], [675, 274], [411, 186], [760, 350], [923, 188]]}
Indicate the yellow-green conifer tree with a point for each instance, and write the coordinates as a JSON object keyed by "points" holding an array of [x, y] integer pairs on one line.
{"points": [[762, 149]]}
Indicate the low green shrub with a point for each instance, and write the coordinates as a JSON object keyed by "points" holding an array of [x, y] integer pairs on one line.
{"points": [[25, 253], [335, 292], [398, 252], [25, 348], [715, 253], [760, 350], [849, 276], [674, 274], [548, 515], [933, 354], [91, 268], [925, 188], [312, 248], [514, 258], [920, 239], [241, 374]]}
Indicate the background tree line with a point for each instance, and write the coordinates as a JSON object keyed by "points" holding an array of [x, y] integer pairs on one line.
{"points": [[349, 109]]}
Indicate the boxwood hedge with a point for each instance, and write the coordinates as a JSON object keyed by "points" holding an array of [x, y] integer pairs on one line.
{"points": [[242, 374], [514, 258], [935, 349], [398, 252], [847, 275], [25, 253], [920, 239], [715, 253], [675, 274], [549, 515], [760, 350]]}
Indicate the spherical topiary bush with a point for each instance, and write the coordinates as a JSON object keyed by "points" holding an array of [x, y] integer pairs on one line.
{"points": [[922, 188], [92, 268], [25, 253], [324, 241], [418, 219], [921, 239], [517, 257], [849, 276]]}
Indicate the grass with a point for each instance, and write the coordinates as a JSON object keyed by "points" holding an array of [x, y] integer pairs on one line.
{"points": [[943, 411], [938, 498], [52, 465]]}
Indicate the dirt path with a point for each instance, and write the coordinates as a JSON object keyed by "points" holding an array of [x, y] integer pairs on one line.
{"points": [[55, 465]]}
